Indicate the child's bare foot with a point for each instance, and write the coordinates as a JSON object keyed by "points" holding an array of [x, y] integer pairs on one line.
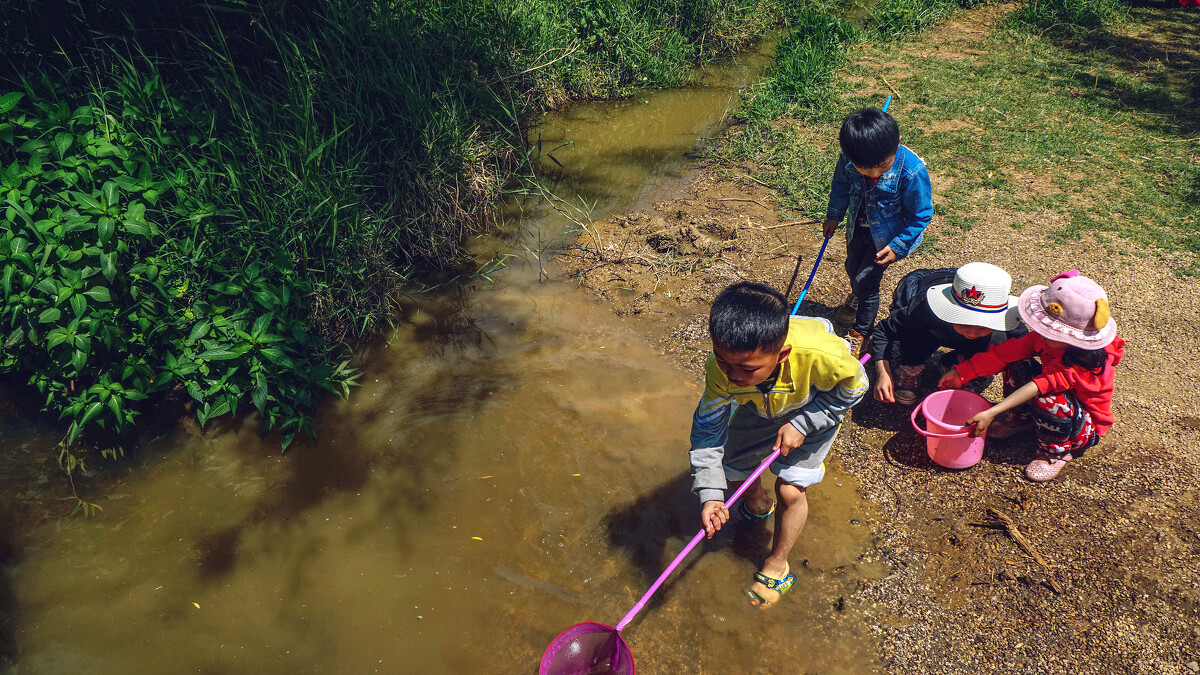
{"points": [[769, 585]]}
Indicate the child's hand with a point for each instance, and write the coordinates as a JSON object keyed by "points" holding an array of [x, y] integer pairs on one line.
{"points": [[787, 439], [884, 387], [712, 516], [951, 380], [886, 257], [829, 227], [981, 421]]}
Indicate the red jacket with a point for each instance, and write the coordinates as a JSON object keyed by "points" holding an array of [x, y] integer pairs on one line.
{"points": [[1093, 391]]}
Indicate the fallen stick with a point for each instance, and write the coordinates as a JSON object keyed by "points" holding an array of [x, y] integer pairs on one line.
{"points": [[889, 86], [740, 199], [755, 180], [790, 223], [1015, 534]]}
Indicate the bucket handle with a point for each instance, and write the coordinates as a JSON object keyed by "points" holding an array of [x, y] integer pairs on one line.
{"points": [[966, 431]]}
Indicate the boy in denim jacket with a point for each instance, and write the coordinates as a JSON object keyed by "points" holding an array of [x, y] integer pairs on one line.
{"points": [[885, 189]]}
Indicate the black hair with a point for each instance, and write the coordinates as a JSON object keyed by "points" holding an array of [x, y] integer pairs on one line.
{"points": [[1092, 360], [868, 137], [748, 317]]}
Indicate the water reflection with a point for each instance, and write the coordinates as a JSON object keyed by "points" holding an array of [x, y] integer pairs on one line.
{"points": [[513, 463]]}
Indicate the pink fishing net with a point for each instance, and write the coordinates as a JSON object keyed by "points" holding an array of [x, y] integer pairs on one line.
{"points": [[587, 649]]}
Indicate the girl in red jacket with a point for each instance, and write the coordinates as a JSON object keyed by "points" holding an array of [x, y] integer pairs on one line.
{"points": [[1076, 340]]}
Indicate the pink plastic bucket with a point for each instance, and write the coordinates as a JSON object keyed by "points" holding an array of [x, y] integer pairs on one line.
{"points": [[949, 442]]}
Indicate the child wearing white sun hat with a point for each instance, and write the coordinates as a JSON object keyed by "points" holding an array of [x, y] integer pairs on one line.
{"points": [[1075, 337], [965, 310]]}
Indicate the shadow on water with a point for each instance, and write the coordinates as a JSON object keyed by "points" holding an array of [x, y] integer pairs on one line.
{"points": [[649, 528], [8, 598], [343, 458], [513, 462]]}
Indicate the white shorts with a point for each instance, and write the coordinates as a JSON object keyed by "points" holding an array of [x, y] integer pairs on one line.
{"points": [[752, 439]]}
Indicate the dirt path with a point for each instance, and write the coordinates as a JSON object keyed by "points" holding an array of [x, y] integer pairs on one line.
{"points": [[1120, 527]]}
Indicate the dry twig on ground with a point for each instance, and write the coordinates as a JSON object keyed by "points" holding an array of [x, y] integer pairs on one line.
{"points": [[1000, 520]]}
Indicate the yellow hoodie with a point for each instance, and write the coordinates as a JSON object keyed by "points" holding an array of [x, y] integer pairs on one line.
{"points": [[818, 382]]}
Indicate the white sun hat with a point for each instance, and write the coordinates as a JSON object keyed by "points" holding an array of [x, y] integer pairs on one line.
{"points": [[979, 296]]}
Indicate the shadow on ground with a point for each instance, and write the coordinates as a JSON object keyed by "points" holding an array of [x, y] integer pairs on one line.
{"points": [[1168, 60]]}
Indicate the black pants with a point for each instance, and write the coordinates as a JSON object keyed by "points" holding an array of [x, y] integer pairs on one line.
{"points": [[865, 276]]}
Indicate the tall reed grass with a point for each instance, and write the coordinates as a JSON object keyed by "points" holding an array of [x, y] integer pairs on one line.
{"points": [[305, 161]]}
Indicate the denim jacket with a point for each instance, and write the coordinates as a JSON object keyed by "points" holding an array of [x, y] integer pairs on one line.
{"points": [[899, 206]]}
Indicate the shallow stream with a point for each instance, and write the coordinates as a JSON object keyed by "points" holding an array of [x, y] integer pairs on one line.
{"points": [[514, 462]]}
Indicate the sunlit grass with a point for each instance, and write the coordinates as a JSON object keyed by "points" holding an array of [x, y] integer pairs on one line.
{"points": [[1099, 129]]}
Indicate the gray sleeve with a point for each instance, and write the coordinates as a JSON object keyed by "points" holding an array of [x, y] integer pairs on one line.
{"points": [[710, 431], [822, 413], [708, 475]]}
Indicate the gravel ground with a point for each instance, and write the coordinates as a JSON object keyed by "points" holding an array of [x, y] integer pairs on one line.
{"points": [[1119, 529]]}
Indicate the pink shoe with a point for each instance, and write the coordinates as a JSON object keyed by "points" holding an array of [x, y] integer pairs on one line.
{"points": [[1046, 466]]}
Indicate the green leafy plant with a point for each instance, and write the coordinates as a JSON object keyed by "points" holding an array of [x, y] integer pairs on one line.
{"points": [[111, 294]]}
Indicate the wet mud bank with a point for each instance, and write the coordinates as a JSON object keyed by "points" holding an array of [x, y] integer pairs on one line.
{"points": [[1117, 586]]}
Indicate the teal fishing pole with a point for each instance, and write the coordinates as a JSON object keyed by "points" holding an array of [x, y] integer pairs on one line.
{"points": [[808, 283]]}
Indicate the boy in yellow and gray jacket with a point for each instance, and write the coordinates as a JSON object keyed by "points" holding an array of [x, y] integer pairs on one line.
{"points": [[771, 382]]}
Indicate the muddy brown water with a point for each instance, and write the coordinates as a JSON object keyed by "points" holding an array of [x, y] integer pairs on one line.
{"points": [[514, 462]]}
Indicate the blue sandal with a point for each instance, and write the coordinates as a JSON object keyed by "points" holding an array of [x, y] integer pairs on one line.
{"points": [[747, 514], [780, 586]]}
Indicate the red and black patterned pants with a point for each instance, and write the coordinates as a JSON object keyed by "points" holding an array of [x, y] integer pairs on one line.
{"points": [[1063, 424]]}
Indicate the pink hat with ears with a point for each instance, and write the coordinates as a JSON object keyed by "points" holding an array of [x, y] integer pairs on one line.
{"points": [[1072, 309]]}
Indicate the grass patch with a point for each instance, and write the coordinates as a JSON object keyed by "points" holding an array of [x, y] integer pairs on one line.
{"points": [[805, 61], [1067, 17], [1091, 126]]}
